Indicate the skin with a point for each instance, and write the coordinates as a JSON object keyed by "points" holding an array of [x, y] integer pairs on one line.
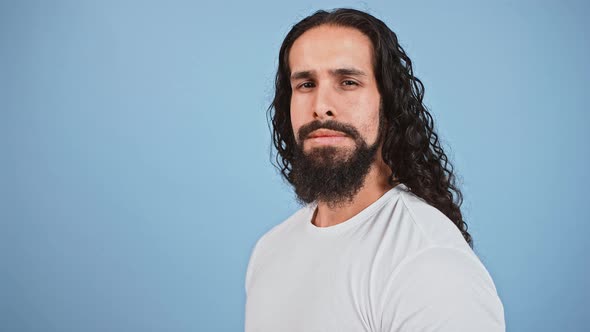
{"points": [[332, 78]]}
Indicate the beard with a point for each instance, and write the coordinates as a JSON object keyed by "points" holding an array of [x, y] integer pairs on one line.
{"points": [[331, 174]]}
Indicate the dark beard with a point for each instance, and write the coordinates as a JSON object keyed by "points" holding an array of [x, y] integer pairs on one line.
{"points": [[330, 174]]}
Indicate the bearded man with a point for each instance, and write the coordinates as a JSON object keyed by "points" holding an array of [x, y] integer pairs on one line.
{"points": [[380, 243]]}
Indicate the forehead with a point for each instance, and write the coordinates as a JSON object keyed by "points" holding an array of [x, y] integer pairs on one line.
{"points": [[327, 47]]}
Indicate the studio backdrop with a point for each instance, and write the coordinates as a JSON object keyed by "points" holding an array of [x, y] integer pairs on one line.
{"points": [[135, 161]]}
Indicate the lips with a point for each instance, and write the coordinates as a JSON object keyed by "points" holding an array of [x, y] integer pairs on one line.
{"points": [[326, 133]]}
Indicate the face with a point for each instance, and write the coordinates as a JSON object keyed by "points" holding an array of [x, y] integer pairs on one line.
{"points": [[334, 113], [333, 83]]}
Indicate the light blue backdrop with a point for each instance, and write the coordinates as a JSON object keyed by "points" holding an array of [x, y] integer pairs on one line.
{"points": [[135, 173]]}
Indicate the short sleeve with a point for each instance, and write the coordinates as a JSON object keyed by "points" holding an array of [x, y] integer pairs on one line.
{"points": [[443, 290], [251, 266]]}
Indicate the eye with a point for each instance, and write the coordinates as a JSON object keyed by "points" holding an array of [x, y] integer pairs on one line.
{"points": [[349, 83], [306, 85]]}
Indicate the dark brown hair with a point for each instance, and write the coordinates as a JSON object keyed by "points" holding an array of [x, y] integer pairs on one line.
{"points": [[411, 147]]}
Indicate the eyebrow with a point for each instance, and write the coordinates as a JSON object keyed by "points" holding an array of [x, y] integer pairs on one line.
{"points": [[347, 72], [334, 72]]}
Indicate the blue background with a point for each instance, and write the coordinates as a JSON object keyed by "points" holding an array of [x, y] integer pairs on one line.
{"points": [[135, 167]]}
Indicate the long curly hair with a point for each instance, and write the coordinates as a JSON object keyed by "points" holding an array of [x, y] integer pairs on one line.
{"points": [[411, 148]]}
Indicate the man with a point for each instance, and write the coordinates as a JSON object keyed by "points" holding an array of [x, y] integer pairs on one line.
{"points": [[380, 244]]}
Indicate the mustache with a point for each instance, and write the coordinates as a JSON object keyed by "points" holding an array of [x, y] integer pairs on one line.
{"points": [[347, 129]]}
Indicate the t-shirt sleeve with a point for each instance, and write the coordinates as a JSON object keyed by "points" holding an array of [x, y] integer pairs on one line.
{"points": [[441, 289], [251, 266]]}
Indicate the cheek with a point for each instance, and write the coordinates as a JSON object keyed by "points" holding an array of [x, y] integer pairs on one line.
{"points": [[298, 114], [367, 121], [296, 121], [375, 125]]}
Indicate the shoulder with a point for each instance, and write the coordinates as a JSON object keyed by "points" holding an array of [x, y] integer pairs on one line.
{"points": [[438, 283], [444, 287], [444, 265], [434, 226], [273, 238], [284, 229]]}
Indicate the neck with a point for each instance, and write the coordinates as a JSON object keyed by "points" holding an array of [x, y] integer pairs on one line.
{"points": [[376, 184]]}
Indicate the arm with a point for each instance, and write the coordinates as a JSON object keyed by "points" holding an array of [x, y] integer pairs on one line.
{"points": [[441, 289]]}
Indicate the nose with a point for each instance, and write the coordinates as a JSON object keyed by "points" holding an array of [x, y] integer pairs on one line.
{"points": [[324, 106]]}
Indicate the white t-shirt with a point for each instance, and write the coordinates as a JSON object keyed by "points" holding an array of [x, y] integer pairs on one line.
{"points": [[398, 265]]}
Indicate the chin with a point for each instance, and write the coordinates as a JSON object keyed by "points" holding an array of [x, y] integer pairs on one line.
{"points": [[330, 154], [318, 147]]}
